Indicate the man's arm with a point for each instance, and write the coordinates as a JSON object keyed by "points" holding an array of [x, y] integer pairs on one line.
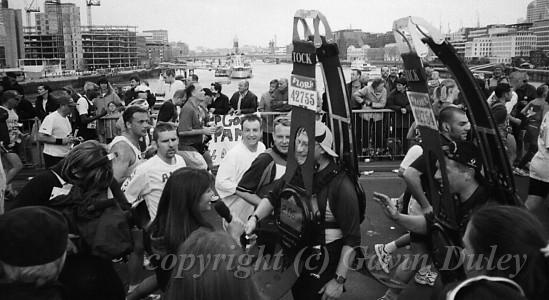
{"points": [[49, 139], [382, 100], [124, 158], [253, 199], [359, 95], [416, 224]]}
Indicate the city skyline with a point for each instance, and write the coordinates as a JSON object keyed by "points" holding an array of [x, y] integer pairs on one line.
{"points": [[185, 20]]}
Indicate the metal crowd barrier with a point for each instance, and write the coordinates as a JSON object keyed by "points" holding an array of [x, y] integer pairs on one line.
{"points": [[30, 150], [379, 133]]}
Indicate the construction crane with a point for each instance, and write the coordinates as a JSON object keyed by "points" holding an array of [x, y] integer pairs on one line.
{"points": [[32, 7], [89, 4]]}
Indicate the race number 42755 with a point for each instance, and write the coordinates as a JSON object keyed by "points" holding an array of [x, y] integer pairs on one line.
{"points": [[302, 92]]}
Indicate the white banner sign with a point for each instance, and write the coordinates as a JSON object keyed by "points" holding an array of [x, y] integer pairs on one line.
{"points": [[302, 92], [225, 139]]}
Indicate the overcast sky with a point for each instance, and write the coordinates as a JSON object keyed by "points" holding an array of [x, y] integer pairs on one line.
{"points": [[214, 23]]}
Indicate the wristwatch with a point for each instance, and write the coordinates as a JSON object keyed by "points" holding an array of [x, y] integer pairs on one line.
{"points": [[340, 279]]}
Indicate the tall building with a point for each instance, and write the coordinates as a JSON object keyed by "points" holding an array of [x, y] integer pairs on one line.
{"points": [[541, 30], [11, 36], [107, 47], [57, 35], [537, 10]]}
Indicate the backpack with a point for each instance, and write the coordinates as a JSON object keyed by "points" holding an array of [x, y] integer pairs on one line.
{"points": [[361, 195]]}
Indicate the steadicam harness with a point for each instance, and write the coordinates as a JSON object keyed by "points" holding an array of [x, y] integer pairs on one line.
{"points": [[301, 216]]}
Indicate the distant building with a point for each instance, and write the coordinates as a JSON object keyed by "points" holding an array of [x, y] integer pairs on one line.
{"points": [[142, 53], [500, 43], [537, 10], [541, 30], [156, 36], [478, 48], [108, 47], [11, 36], [348, 37], [458, 40], [357, 53], [357, 38], [156, 53], [57, 35]]}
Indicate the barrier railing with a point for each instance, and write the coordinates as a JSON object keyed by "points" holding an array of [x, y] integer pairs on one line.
{"points": [[379, 133], [30, 150]]}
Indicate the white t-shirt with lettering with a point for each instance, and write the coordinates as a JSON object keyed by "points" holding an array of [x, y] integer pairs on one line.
{"points": [[147, 182], [59, 127]]}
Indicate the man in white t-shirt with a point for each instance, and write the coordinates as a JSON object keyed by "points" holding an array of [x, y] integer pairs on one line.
{"points": [[56, 131], [236, 162], [171, 84], [148, 180]]}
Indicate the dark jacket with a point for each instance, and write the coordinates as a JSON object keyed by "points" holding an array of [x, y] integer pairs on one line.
{"points": [[395, 101], [221, 105], [51, 106], [248, 104], [25, 111], [280, 101], [352, 102]]}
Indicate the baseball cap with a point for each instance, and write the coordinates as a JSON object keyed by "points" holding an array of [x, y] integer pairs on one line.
{"points": [[324, 137], [465, 153], [32, 236]]}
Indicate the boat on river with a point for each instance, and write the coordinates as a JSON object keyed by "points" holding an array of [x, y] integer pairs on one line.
{"points": [[223, 71], [365, 67], [239, 68]]}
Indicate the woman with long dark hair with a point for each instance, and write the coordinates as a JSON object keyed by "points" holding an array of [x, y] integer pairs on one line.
{"points": [[186, 195], [97, 225], [497, 233]]}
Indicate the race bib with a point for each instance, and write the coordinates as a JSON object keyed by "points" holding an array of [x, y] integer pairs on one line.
{"points": [[302, 92]]}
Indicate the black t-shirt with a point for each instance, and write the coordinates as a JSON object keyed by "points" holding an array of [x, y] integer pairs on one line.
{"points": [[252, 177]]}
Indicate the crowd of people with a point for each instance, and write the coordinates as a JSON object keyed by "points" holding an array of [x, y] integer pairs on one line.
{"points": [[121, 189]]}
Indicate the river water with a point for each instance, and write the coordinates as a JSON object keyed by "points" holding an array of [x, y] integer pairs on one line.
{"points": [[263, 73]]}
